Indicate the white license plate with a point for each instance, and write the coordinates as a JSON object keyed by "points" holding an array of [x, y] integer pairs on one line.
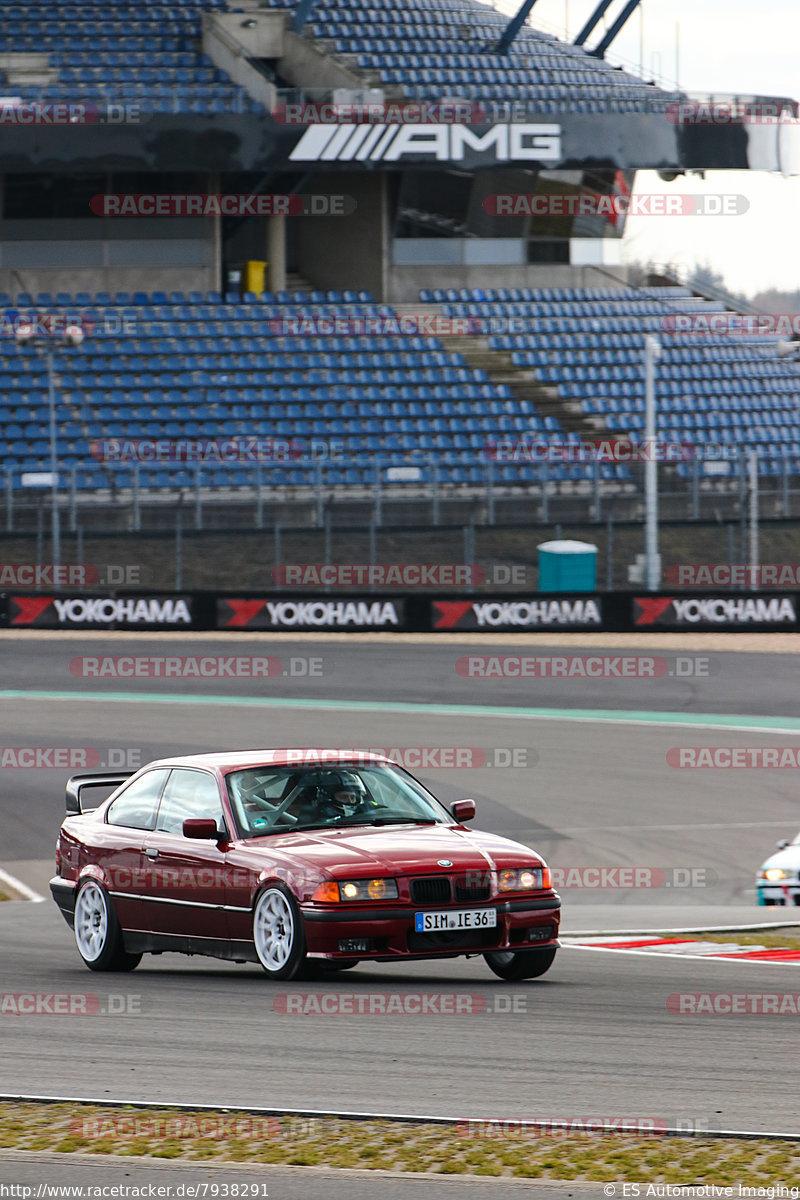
{"points": [[465, 918]]}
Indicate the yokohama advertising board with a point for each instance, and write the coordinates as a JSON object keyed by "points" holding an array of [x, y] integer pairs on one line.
{"points": [[293, 614], [71, 611], [706, 610]]}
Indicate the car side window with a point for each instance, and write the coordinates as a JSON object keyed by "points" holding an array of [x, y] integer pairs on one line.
{"points": [[136, 806], [189, 794]]}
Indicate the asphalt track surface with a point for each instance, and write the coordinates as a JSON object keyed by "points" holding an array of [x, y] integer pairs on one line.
{"points": [[415, 671], [594, 1038]]}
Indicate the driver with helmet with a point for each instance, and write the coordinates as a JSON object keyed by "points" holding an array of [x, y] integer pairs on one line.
{"points": [[332, 795]]}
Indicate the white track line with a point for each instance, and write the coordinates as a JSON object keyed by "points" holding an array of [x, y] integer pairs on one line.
{"points": [[17, 885], [672, 930], [698, 958], [410, 1118]]}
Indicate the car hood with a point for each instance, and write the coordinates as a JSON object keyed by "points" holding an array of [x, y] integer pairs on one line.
{"points": [[399, 850], [788, 859]]}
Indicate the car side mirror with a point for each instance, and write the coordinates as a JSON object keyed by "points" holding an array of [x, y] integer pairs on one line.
{"points": [[204, 828], [782, 844], [463, 810]]}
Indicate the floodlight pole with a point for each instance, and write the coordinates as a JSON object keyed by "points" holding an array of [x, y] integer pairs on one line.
{"points": [[47, 349], [752, 464], [652, 350], [55, 518]]}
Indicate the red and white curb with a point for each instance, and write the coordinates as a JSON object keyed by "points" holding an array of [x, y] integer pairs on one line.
{"points": [[684, 948]]}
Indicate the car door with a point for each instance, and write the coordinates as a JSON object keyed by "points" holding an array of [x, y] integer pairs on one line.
{"points": [[186, 876], [120, 842]]}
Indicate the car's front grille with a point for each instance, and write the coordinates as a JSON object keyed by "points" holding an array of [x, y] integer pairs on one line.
{"points": [[434, 889], [471, 892]]}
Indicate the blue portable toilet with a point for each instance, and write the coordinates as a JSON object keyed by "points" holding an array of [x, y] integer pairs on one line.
{"points": [[566, 566]]}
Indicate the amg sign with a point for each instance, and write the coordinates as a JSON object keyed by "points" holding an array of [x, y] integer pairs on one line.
{"points": [[440, 143]]}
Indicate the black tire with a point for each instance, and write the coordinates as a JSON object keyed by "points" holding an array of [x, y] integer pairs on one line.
{"points": [[278, 934], [97, 931], [513, 965]]}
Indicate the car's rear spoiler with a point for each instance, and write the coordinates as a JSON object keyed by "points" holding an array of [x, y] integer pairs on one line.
{"points": [[79, 784]]}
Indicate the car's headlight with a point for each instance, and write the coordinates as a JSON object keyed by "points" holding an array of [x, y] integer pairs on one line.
{"points": [[774, 874], [357, 889], [524, 879]]}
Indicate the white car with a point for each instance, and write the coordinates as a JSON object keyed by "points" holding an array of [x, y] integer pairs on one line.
{"points": [[778, 880]]}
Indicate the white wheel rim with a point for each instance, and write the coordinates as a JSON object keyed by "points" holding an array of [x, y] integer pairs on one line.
{"points": [[91, 922], [503, 957], [273, 930]]}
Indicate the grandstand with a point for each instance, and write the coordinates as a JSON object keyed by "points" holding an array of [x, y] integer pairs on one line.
{"points": [[203, 360], [109, 52], [211, 369], [425, 48]]}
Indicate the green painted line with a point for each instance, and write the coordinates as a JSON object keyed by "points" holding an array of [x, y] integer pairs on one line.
{"points": [[597, 715]]}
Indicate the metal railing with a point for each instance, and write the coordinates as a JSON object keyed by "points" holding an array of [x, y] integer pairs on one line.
{"points": [[699, 490]]}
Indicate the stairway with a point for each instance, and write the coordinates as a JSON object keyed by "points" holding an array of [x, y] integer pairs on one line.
{"points": [[298, 283], [497, 364]]}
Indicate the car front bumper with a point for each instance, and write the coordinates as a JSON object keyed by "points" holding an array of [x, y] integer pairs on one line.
{"points": [[776, 893], [388, 933]]}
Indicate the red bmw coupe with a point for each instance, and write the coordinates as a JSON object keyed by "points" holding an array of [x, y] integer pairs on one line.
{"points": [[265, 857]]}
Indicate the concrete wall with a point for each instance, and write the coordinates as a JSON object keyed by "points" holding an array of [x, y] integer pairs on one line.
{"points": [[229, 45], [346, 252], [107, 255], [53, 281], [305, 65]]}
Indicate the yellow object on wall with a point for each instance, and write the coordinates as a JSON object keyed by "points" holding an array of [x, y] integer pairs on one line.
{"points": [[254, 276]]}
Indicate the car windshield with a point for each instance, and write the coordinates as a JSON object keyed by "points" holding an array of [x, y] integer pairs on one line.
{"points": [[280, 799]]}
